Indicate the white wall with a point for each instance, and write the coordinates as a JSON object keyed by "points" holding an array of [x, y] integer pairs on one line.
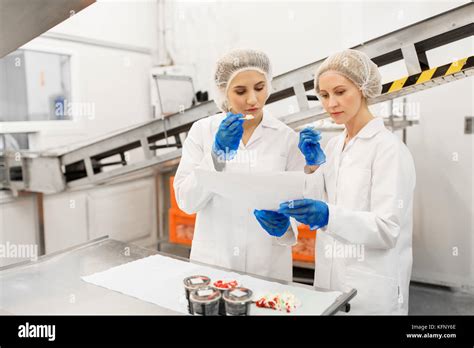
{"points": [[109, 72], [444, 159], [292, 33], [123, 211], [129, 22], [19, 228]]}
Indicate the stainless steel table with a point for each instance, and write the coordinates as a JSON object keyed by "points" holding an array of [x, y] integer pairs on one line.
{"points": [[52, 284]]}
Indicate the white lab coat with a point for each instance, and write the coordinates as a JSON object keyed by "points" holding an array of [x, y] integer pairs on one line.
{"points": [[227, 233], [369, 190]]}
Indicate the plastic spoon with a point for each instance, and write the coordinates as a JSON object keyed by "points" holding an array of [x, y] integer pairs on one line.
{"points": [[246, 117]]}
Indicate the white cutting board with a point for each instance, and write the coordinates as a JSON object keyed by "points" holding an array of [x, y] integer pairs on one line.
{"points": [[159, 279]]}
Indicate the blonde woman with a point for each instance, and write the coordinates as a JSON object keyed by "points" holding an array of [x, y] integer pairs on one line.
{"points": [[361, 199]]}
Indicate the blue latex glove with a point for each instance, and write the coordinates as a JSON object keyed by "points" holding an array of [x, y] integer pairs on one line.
{"points": [[274, 223], [307, 211], [228, 136], [310, 147]]}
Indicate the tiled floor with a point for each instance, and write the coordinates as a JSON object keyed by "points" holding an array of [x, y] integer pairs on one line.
{"points": [[437, 300]]}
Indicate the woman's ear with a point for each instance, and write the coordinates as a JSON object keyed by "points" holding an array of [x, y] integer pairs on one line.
{"points": [[363, 100]]}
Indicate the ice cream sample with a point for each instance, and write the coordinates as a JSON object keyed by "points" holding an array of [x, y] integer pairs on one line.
{"points": [[193, 283], [280, 302], [237, 301], [225, 284], [222, 286], [205, 301]]}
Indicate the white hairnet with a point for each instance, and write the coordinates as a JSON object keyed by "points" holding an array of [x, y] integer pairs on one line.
{"points": [[357, 67], [234, 62]]}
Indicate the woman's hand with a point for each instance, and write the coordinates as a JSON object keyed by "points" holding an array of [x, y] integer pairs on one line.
{"points": [[307, 211], [228, 136], [274, 223], [310, 147]]}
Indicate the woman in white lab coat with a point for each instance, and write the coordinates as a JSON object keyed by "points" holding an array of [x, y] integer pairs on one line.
{"points": [[361, 198], [226, 232]]}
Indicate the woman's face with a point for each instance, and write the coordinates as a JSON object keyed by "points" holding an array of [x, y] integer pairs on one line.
{"points": [[340, 97], [247, 93]]}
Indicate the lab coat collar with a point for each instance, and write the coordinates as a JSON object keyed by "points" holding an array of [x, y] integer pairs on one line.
{"points": [[369, 130], [269, 121]]}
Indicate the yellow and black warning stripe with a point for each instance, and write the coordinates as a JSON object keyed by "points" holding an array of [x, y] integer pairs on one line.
{"points": [[427, 75]]}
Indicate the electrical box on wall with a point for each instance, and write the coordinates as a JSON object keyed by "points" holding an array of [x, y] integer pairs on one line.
{"points": [[36, 87], [468, 128]]}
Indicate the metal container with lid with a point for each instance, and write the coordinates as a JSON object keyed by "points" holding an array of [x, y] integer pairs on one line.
{"points": [[223, 286], [205, 301], [238, 301], [193, 283]]}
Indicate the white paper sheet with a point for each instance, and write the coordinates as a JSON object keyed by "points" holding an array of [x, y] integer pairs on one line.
{"points": [[159, 279], [261, 190]]}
